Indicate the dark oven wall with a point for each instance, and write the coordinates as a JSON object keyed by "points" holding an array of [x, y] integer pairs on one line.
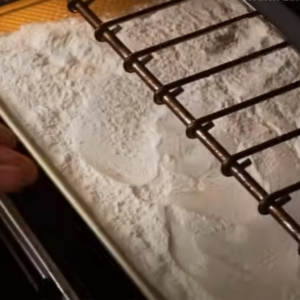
{"points": [[285, 15]]}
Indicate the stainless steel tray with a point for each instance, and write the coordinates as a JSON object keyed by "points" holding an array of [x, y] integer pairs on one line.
{"points": [[196, 128]]}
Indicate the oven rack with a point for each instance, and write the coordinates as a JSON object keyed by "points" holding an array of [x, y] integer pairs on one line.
{"points": [[232, 165]]}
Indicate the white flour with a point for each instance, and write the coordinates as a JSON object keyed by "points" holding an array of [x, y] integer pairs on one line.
{"points": [[190, 231]]}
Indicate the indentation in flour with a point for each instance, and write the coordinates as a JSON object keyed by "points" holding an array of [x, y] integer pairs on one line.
{"points": [[124, 135]]}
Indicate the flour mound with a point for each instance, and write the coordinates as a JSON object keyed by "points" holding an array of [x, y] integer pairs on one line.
{"points": [[123, 135]]}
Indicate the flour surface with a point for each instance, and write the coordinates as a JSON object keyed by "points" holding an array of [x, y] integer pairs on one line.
{"points": [[189, 231]]}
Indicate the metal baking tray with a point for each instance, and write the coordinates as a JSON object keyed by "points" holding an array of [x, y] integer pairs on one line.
{"points": [[231, 165]]}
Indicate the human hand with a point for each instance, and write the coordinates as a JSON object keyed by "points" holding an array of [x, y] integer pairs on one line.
{"points": [[16, 170]]}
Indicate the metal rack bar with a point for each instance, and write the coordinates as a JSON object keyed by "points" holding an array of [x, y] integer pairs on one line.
{"points": [[159, 94], [243, 105], [187, 37], [226, 66], [143, 12], [267, 144], [167, 95]]}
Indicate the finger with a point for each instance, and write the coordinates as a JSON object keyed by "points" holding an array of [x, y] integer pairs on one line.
{"points": [[10, 179], [28, 169], [7, 138]]}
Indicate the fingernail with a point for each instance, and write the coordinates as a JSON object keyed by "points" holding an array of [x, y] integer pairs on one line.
{"points": [[9, 156], [25, 182], [30, 174], [13, 142], [10, 179], [9, 138]]}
